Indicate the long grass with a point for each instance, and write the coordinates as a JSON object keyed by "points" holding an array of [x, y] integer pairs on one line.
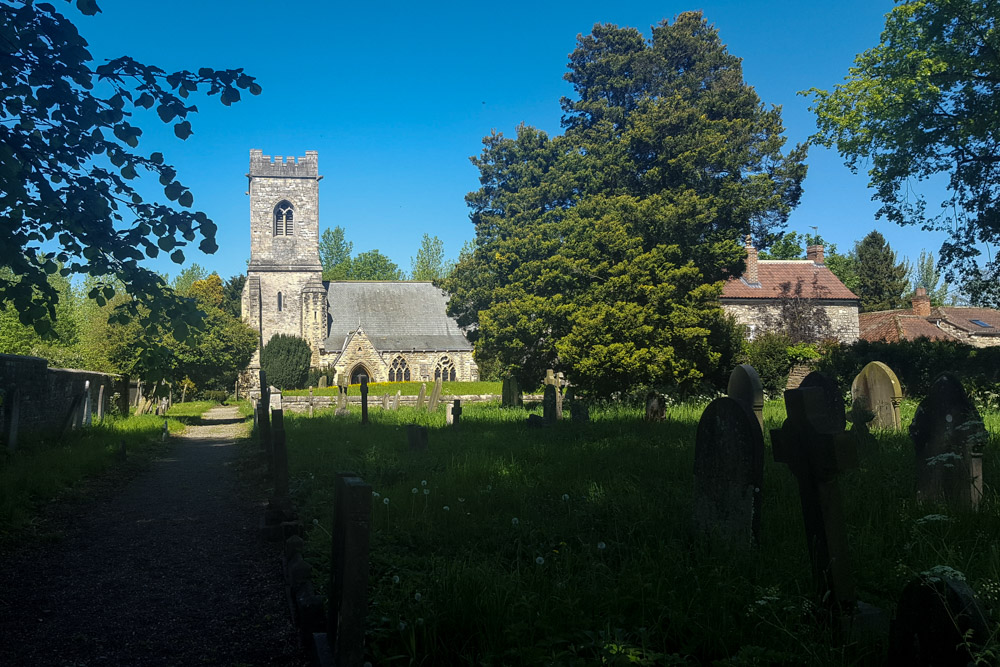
{"points": [[573, 544]]}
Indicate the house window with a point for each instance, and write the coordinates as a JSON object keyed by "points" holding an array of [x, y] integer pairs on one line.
{"points": [[980, 323], [283, 218], [280, 304], [399, 371], [445, 369]]}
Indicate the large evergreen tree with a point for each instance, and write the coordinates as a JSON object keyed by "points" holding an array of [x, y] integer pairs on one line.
{"points": [[602, 251], [882, 281]]}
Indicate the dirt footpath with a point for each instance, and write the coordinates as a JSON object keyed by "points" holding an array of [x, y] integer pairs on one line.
{"points": [[167, 570]]}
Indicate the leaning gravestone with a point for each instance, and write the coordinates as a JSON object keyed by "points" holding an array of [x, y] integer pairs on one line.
{"points": [[385, 401], [549, 404], [100, 404], [421, 395], [745, 386], [432, 404], [939, 623], [728, 473], [876, 389], [656, 407], [516, 397], [88, 417], [275, 399], [949, 438], [395, 400], [322, 382]]}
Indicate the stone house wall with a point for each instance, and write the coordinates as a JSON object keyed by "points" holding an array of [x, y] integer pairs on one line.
{"points": [[966, 337], [843, 317], [422, 364]]}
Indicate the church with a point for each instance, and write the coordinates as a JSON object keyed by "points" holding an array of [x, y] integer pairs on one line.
{"points": [[390, 331]]}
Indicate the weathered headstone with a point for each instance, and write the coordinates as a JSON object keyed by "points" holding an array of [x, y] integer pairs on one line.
{"points": [[395, 400], [814, 446], [656, 407], [939, 623], [166, 432], [745, 386], [549, 404], [100, 404], [432, 404], [421, 395], [505, 399], [279, 454], [949, 439], [12, 411], [341, 397], [833, 398], [275, 400], [579, 410], [322, 381], [364, 399], [728, 472], [877, 390], [385, 401], [550, 377], [455, 412], [516, 397], [310, 401], [560, 384], [416, 436]]}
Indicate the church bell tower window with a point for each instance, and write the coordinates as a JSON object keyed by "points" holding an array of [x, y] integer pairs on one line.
{"points": [[283, 214]]}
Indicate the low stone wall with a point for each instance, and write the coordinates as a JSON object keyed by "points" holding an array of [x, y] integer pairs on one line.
{"points": [[301, 403], [50, 399]]}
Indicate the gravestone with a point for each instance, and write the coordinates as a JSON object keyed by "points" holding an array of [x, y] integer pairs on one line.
{"points": [[322, 381], [550, 377], [728, 473], [279, 455], [416, 436], [549, 404], [877, 390], [814, 446], [166, 432], [432, 404], [516, 397], [310, 401], [938, 623], [505, 399], [745, 387], [395, 399], [100, 404], [579, 410], [949, 438], [385, 401], [455, 412], [364, 399], [12, 412], [275, 399], [341, 398], [421, 395], [560, 384], [656, 407]]}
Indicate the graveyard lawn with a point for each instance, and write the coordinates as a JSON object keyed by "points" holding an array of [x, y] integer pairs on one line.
{"points": [[573, 543], [407, 389], [42, 470]]}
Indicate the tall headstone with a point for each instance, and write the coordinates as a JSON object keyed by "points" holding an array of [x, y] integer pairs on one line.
{"points": [[432, 404], [560, 387], [550, 377], [813, 444], [745, 386], [949, 439], [395, 400], [322, 381], [505, 399], [656, 407], [549, 404], [87, 407], [100, 403], [275, 399], [310, 401], [364, 399], [416, 437], [516, 396], [728, 473], [341, 396], [385, 401], [876, 389], [421, 396]]}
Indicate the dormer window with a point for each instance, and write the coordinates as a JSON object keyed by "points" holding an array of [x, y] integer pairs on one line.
{"points": [[283, 218]]}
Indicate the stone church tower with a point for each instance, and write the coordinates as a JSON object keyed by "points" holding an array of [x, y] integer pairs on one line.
{"points": [[284, 291]]}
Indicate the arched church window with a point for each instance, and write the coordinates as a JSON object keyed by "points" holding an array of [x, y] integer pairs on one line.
{"points": [[279, 302], [283, 218], [399, 371], [445, 369]]}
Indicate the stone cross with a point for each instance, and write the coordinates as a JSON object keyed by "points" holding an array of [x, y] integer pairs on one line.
{"points": [[814, 446], [100, 404], [745, 386], [364, 399], [550, 377], [395, 400], [455, 412], [351, 534], [549, 404], [421, 395], [416, 436], [323, 381], [279, 455], [877, 391], [728, 473], [656, 407], [432, 404], [12, 408], [938, 620], [949, 438]]}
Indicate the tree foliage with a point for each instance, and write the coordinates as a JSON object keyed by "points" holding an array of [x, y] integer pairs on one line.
{"points": [[430, 264], [69, 160], [602, 251], [335, 254], [882, 282], [285, 361], [924, 105], [925, 274], [373, 265]]}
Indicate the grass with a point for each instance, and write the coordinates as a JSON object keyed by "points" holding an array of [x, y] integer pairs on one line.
{"points": [[43, 468], [572, 545], [407, 389]]}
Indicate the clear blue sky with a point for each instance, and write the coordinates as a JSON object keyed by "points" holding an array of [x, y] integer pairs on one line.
{"points": [[397, 96]]}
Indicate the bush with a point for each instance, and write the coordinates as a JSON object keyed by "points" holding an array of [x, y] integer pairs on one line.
{"points": [[769, 354], [312, 380], [285, 361], [217, 396]]}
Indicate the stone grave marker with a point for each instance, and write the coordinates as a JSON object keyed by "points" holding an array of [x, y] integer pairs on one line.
{"points": [[416, 437], [938, 623], [745, 387], [310, 401], [100, 404], [656, 407], [813, 444], [550, 377], [364, 399], [833, 398], [579, 410], [341, 400], [505, 399], [728, 473], [385, 401], [876, 390], [432, 404], [275, 399], [560, 387], [322, 381], [12, 412], [949, 438], [395, 400], [279, 455], [454, 412], [421, 395], [549, 404]]}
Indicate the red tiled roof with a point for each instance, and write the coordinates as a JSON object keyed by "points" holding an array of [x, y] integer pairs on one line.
{"points": [[896, 325], [778, 276], [962, 318]]}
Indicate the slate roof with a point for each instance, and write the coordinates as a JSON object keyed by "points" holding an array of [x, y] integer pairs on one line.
{"points": [[394, 315], [896, 325], [818, 282]]}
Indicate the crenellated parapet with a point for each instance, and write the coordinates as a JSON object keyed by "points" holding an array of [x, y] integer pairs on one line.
{"points": [[288, 167]]}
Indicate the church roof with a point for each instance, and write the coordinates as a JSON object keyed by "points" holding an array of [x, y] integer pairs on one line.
{"points": [[394, 316]]}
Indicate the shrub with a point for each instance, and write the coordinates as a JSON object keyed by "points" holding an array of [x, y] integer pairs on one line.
{"points": [[768, 353], [217, 396], [312, 380], [285, 361]]}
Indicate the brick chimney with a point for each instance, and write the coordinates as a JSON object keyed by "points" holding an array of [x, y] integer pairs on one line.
{"points": [[814, 254], [921, 303], [750, 274]]}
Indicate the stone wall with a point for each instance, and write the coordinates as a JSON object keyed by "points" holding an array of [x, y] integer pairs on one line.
{"points": [[422, 364], [965, 337], [50, 398], [843, 318]]}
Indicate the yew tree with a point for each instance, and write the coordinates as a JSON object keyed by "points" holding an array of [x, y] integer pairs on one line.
{"points": [[601, 251]]}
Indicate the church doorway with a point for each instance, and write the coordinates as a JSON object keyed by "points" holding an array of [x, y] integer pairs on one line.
{"points": [[357, 372]]}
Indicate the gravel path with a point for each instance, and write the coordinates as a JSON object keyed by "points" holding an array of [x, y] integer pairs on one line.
{"points": [[167, 570]]}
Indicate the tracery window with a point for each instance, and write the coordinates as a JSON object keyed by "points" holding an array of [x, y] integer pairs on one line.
{"points": [[399, 371], [445, 369], [283, 218]]}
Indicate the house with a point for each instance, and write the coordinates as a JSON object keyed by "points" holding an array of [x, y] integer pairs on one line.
{"points": [[772, 292], [978, 327]]}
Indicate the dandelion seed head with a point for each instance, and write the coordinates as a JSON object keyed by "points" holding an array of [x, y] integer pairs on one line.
{"points": [[414, 491], [385, 501], [427, 492], [446, 508], [539, 561], [514, 521], [315, 522], [602, 546], [417, 597], [423, 482], [565, 496], [395, 578]]}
